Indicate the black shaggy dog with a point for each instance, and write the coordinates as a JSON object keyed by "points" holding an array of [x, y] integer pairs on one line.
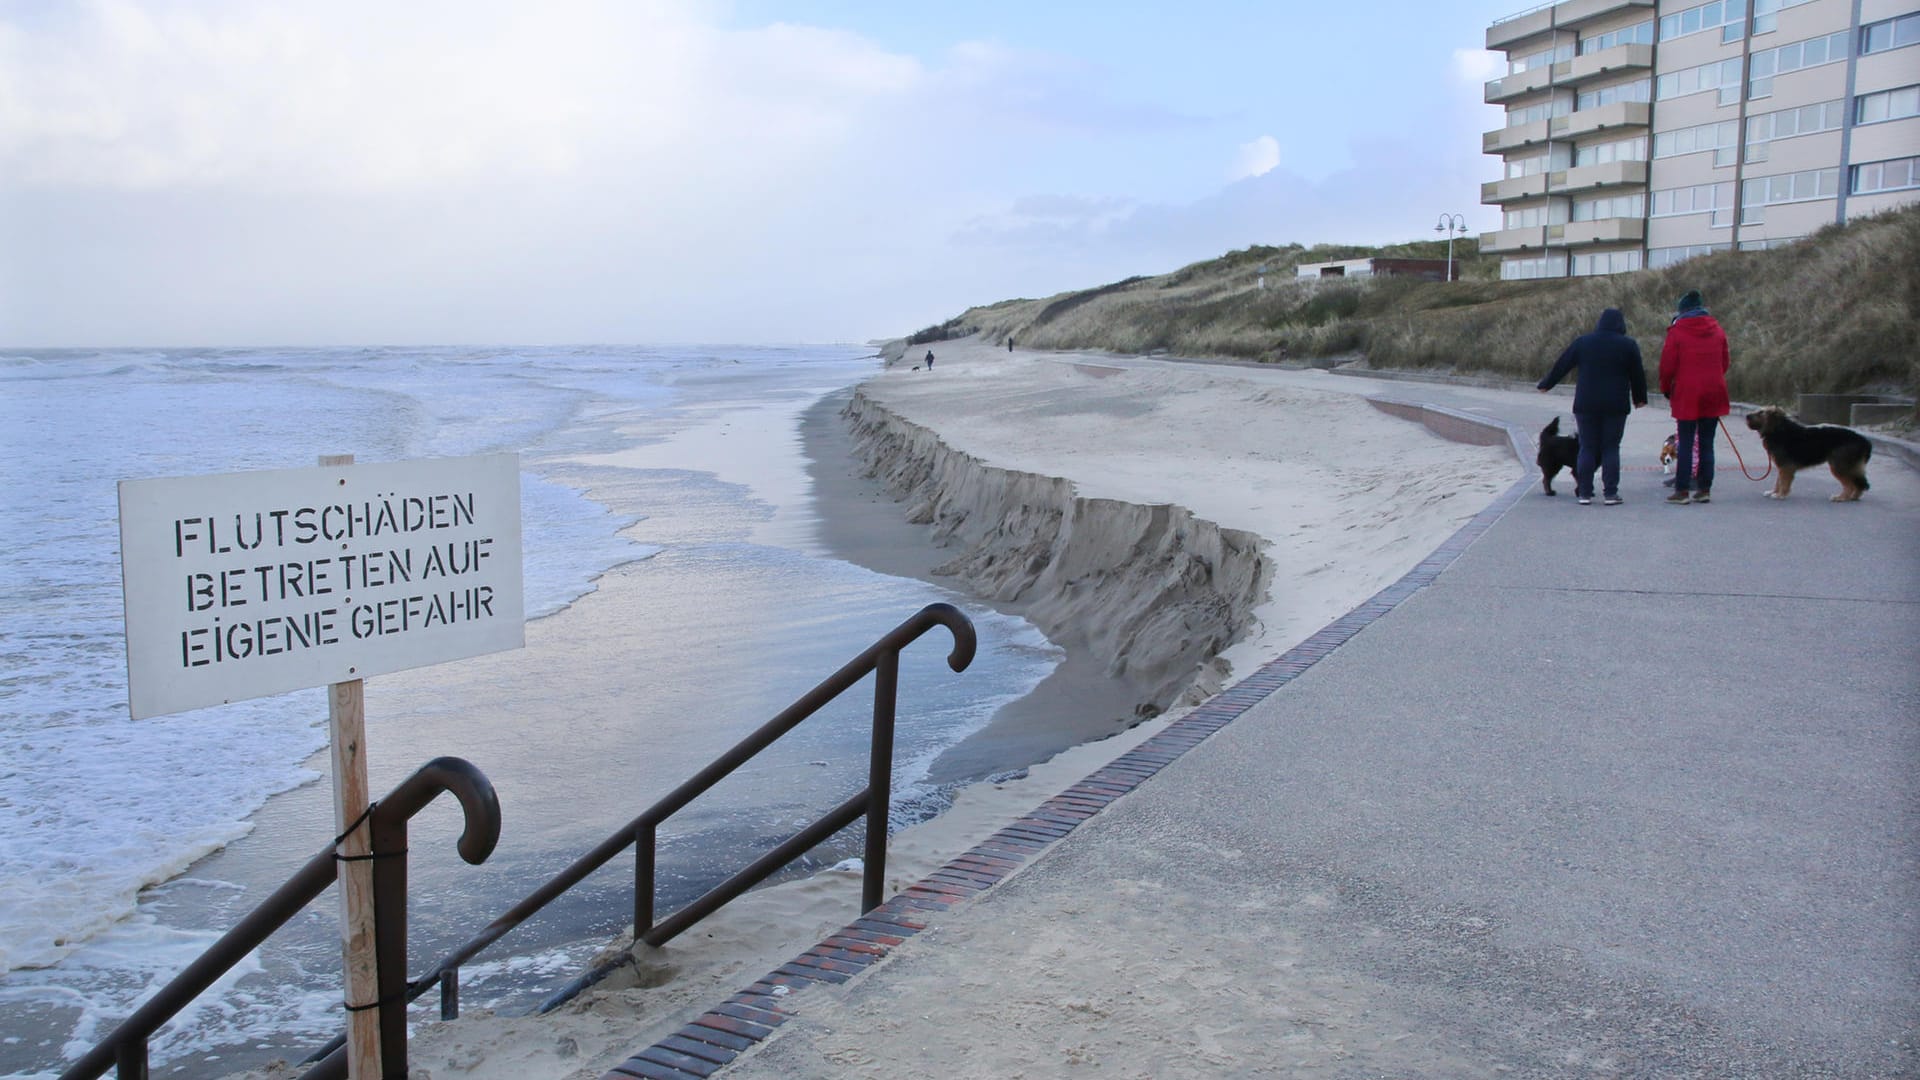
{"points": [[1794, 446], [1557, 452]]}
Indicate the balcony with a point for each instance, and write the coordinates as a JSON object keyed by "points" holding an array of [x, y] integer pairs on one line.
{"points": [[1606, 117], [1603, 231], [1580, 69], [1513, 138], [1571, 235], [1565, 182], [1531, 238], [1567, 15], [1514, 188], [1502, 90], [1595, 65], [1588, 177], [1564, 128]]}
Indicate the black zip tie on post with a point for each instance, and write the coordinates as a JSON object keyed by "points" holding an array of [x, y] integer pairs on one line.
{"points": [[355, 823], [370, 856], [338, 840], [374, 1004]]}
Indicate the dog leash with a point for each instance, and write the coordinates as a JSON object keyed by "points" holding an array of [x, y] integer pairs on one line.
{"points": [[1743, 461]]}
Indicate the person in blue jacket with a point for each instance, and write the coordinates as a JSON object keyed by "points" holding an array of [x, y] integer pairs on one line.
{"points": [[1611, 384]]}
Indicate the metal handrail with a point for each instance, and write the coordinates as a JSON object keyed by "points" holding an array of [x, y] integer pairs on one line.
{"points": [[126, 1047], [883, 659], [1524, 14]]}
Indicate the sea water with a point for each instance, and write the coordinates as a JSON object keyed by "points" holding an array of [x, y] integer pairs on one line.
{"points": [[102, 817]]}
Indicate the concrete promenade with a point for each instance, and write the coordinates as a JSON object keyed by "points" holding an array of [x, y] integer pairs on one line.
{"points": [[1595, 791]]}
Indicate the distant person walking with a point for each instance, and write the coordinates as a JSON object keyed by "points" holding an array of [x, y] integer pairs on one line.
{"points": [[1009, 343], [1611, 384], [929, 359], [1693, 375]]}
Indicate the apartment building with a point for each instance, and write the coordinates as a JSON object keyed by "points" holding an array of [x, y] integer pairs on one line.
{"points": [[1643, 132]]}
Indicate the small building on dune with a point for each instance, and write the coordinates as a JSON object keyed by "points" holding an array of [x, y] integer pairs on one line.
{"points": [[1429, 269]]}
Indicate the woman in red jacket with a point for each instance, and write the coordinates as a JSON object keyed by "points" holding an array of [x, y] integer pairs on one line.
{"points": [[1693, 376]]}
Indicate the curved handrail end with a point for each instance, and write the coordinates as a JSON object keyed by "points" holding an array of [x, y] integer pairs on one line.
{"points": [[965, 641], [479, 804]]}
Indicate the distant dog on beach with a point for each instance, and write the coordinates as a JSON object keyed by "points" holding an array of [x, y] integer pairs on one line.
{"points": [[1794, 446], [1557, 452]]}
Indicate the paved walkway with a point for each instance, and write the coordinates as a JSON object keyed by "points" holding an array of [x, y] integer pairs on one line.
{"points": [[1596, 791]]}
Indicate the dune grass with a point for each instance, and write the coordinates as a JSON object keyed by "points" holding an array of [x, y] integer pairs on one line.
{"points": [[1838, 312]]}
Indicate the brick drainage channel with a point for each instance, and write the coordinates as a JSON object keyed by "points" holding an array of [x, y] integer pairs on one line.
{"points": [[714, 1039]]}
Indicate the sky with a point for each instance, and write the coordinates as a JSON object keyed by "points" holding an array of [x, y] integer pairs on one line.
{"points": [[259, 172]]}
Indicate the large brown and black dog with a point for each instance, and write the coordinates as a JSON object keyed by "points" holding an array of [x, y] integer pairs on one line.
{"points": [[1794, 446]]}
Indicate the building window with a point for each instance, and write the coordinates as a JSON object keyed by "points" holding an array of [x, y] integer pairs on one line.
{"points": [[1887, 105], [1518, 64], [1766, 13], [1667, 256], [1695, 139], [1525, 269], [1693, 80], [1614, 206], [1762, 245], [1896, 175], [1890, 33], [1638, 90], [1605, 262], [1794, 56], [1532, 217], [1705, 17], [1786, 123], [1607, 153], [1786, 188], [1527, 114], [1534, 164], [1637, 34], [1699, 199]]}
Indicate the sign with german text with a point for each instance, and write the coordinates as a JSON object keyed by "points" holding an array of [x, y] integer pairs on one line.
{"points": [[248, 584]]}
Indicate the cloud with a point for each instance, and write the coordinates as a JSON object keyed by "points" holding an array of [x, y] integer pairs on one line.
{"points": [[461, 170], [1372, 201], [370, 97], [1256, 158], [1476, 67], [246, 171]]}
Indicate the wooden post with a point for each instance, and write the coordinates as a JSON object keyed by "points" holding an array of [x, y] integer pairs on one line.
{"points": [[347, 735]]}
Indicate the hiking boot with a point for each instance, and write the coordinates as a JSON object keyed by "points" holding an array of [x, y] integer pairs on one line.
{"points": [[1702, 496], [1679, 498], [1611, 500]]}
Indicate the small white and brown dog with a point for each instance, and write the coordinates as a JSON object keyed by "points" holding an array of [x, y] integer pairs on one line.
{"points": [[1669, 453]]}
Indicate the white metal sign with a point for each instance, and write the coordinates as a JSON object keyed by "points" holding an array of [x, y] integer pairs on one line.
{"points": [[248, 584]]}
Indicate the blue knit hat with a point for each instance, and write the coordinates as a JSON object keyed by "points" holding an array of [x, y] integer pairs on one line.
{"points": [[1691, 302]]}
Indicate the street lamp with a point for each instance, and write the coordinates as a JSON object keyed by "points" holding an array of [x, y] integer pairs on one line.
{"points": [[1451, 224]]}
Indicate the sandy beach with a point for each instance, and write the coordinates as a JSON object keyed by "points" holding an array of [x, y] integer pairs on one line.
{"points": [[1170, 525]]}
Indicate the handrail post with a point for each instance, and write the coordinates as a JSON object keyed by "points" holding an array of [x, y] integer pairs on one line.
{"points": [[882, 659], [886, 684], [390, 937], [130, 1059], [643, 869], [125, 1049]]}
